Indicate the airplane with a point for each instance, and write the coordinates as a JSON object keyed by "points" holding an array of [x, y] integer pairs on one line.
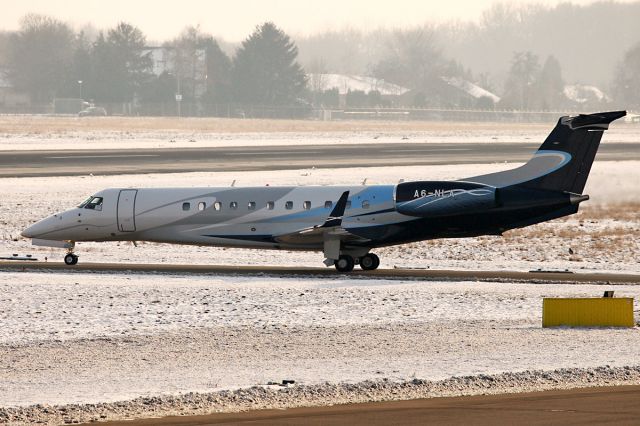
{"points": [[343, 222]]}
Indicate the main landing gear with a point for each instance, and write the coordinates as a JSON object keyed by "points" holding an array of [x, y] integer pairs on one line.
{"points": [[368, 262]]}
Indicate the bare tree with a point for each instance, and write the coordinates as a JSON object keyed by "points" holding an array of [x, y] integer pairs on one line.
{"points": [[39, 56], [627, 79], [414, 59], [317, 70]]}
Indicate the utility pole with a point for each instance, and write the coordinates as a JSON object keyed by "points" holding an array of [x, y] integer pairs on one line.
{"points": [[179, 97]]}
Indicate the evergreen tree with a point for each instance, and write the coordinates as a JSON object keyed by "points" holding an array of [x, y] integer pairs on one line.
{"points": [[119, 66], [265, 70], [80, 70], [520, 87], [218, 73], [551, 85]]}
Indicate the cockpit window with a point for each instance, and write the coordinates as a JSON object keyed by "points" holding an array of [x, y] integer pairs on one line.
{"points": [[92, 203], [85, 202]]}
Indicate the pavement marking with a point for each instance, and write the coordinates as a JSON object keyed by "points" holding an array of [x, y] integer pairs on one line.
{"points": [[102, 156]]}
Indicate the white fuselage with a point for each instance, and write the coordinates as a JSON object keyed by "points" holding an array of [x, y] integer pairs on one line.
{"points": [[267, 217]]}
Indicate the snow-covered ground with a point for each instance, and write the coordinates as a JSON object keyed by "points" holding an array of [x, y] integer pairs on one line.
{"points": [[603, 237], [81, 338], [105, 139], [86, 338]]}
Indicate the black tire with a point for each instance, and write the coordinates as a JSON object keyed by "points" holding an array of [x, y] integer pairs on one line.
{"points": [[345, 263], [71, 259], [369, 262]]}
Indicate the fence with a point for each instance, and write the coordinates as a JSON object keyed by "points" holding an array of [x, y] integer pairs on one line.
{"points": [[197, 109]]}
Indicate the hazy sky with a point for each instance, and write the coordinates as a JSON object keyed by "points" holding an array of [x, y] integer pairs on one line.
{"points": [[233, 20]]}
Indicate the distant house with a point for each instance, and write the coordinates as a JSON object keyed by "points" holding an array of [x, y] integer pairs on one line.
{"points": [[448, 91], [582, 94], [349, 84], [470, 89], [345, 83], [191, 72], [161, 57]]}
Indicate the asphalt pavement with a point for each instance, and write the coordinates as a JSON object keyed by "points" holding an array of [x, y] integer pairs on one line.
{"points": [[163, 160], [606, 405], [399, 273]]}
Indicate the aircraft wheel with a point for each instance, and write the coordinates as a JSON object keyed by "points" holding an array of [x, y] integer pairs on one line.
{"points": [[345, 263], [369, 262], [71, 259]]}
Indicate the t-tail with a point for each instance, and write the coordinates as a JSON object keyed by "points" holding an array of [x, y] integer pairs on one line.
{"points": [[564, 160], [549, 185]]}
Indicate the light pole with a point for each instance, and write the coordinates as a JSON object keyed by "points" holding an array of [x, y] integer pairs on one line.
{"points": [[80, 84]]}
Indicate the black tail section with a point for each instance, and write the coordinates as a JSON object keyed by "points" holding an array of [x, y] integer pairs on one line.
{"points": [[563, 161], [580, 138]]}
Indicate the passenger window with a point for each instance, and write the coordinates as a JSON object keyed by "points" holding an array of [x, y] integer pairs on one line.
{"points": [[306, 205], [270, 205], [217, 206], [233, 205], [202, 205], [348, 206], [186, 206], [251, 205], [328, 204], [365, 204], [288, 205]]}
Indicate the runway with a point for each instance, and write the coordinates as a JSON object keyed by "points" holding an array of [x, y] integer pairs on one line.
{"points": [[606, 405], [112, 162], [424, 274]]}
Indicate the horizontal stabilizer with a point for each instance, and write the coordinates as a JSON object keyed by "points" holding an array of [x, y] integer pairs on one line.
{"points": [[563, 161]]}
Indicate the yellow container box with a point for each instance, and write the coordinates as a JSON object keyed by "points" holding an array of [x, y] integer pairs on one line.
{"points": [[588, 312]]}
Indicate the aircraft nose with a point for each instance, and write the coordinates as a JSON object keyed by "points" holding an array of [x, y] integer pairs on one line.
{"points": [[40, 228], [28, 233]]}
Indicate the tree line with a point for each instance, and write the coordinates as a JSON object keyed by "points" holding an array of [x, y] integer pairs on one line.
{"points": [[46, 59], [592, 43]]}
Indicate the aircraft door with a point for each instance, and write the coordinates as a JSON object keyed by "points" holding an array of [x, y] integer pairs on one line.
{"points": [[126, 210]]}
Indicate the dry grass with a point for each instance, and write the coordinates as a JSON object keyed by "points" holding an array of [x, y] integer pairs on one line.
{"points": [[629, 211], [33, 124]]}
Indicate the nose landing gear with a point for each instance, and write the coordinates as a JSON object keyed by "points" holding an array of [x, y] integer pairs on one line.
{"points": [[71, 259]]}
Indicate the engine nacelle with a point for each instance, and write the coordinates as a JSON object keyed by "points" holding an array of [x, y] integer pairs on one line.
{"points": [[440, 198]]}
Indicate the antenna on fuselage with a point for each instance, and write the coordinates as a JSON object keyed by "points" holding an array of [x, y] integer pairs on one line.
{"points": [[233, 183], [364, 182]]}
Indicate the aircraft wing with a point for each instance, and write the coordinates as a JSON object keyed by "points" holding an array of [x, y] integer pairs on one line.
{"points": [[317, 235], [331, 228]]}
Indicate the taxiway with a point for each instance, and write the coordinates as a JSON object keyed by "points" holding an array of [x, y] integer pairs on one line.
{"points": [[245, 158], [400, 273]]}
